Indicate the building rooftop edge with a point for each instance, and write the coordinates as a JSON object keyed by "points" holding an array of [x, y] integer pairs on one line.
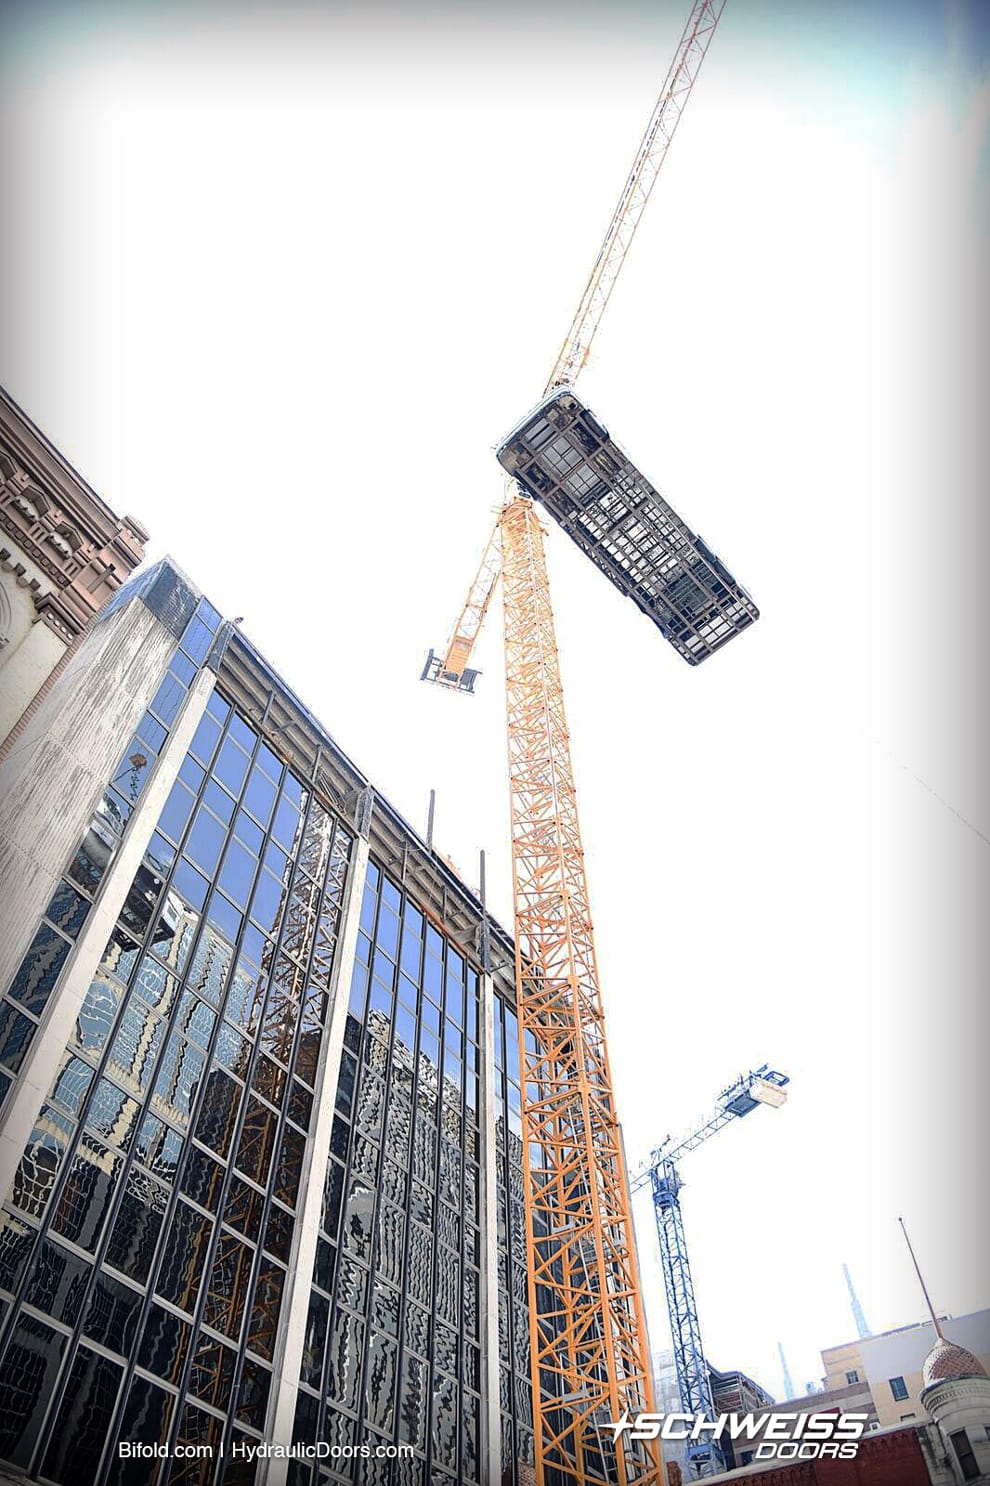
{"points": [[249, 653], [58, 458]]}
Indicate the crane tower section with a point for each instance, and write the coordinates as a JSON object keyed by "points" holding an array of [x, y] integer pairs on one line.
{"points": [[563, 457], [589, 1355]]}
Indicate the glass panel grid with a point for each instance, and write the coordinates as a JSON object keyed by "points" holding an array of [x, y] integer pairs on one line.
{"points": [[169, 1113]]}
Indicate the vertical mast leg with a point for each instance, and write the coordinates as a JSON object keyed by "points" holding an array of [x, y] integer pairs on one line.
{"points": [[588, 1352]]}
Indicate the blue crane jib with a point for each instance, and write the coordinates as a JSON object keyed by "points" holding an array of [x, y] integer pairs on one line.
{"points": [[763, 1085], [563, 457]]}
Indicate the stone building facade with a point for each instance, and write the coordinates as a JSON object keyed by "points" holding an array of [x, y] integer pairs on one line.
{"points": [[63, 555]]}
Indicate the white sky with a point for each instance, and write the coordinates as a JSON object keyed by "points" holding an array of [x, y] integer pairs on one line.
{"points": [[278, 279]]}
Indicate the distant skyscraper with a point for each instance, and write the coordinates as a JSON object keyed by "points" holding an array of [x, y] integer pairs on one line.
{"points": [[861, 1327]]}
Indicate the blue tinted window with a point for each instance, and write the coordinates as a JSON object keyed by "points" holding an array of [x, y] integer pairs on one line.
{"points": [[182, 667], [190, 884], [249, 833], [259, 797], [286, 821], [196, 641], [68, 910], [224, 916], [178, 808], [132, 771], [267, 901], [267, 761], [168, 699], [206, 612], [152, 733], [39, 970], [240, 731], [16, 1033], [206, 738], [231, 766], [238, 872], [219, 801], [205, 841]]}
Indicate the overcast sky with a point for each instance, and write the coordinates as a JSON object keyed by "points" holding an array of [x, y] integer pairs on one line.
{"points": [[278, 278]]}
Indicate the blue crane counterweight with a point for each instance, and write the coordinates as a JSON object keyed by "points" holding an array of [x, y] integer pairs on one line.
{"points": [[761, 1085]]}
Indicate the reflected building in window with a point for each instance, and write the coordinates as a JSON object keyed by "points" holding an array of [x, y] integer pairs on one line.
{"points": [[261, 1136]]}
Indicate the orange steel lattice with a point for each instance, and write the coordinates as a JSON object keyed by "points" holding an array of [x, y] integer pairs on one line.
{"points": [[589, 1356]]}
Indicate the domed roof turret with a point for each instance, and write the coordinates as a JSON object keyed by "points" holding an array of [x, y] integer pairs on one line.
{"points": [[948, 1360]]}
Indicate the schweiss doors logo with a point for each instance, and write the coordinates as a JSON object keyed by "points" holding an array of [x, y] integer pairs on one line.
{"points": [[780, 1436]]}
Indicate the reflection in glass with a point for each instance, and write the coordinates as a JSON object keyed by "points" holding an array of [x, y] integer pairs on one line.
{"points": [[212, 1372], [112, 1314], [183, 1257], [380, 1386], [27, 1383], [413, 1393], [57, 1282], [252, 1393], [178, 1080], [112, 1114], [344, 1347], [158, 1147], [264, 1315], [146, 1417], [163, 1344], [226, 1293], [39, 970], [202, 1179], [71, 1084], [135, 1047], [43, 1154], [445, 1422], [137, 1225], [87, 1193]]}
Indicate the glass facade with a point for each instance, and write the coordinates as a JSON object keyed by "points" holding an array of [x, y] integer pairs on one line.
{"points": [[148, 1237], [144, 1242], [24, 1003], [515, 1391], [393, 1348]]}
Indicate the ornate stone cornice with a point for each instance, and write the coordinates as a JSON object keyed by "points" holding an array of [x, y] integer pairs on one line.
{"points": [[62, 527], [55, 478], [954, 1390]]}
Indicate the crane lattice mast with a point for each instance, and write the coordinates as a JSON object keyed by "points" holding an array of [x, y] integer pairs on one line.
{"points": [[761, 1085], [589, 1358]]}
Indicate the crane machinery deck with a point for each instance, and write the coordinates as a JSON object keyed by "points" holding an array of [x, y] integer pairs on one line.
{"points": [[589, 1360], [763, 1085]]}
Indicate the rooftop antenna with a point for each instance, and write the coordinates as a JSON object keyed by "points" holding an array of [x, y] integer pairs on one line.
{"points": [[785, 1370], [921, 1282], [861, 1327], [429, 818]]}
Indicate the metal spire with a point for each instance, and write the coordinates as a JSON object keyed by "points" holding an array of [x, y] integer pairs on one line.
{"points": [[785, 1370], [861, 1327], [924, 1288]]}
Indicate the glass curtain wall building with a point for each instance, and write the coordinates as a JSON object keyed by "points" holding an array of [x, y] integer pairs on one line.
{"points": [[260, 1131]]}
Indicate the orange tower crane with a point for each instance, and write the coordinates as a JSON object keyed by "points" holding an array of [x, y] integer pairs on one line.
{"points": [[589, 1358]]}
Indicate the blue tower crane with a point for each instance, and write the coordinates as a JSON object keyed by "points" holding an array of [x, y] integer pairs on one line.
{"points": [[761, 1085]]}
